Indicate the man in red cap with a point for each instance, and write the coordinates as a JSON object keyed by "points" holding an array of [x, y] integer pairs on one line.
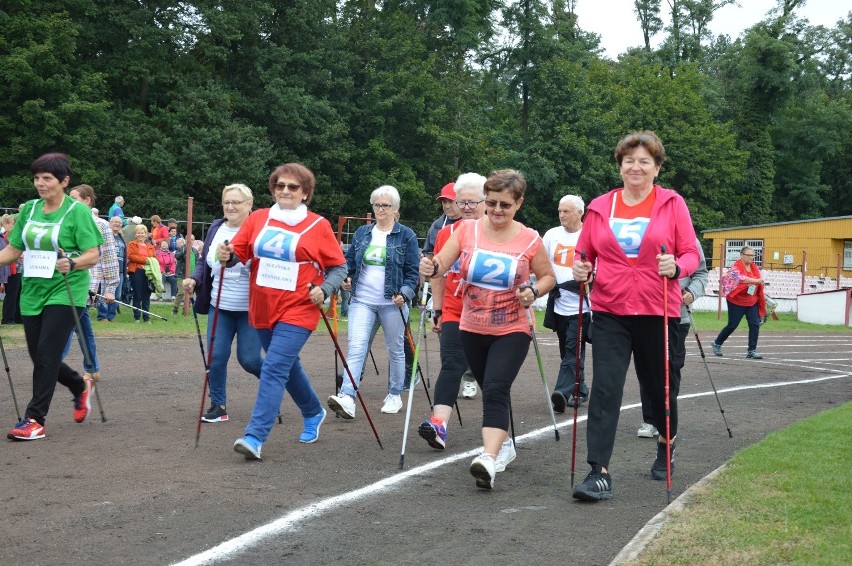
{"points": [[450, 215]]}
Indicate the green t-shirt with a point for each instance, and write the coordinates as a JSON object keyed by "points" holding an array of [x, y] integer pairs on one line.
{"points": [[75, 232]]}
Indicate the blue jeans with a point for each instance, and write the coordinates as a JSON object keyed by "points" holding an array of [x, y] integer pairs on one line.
{"points": [[109, 311], [141, 294], [344, 303], [361, 319], [566, 330], [86, 324], [281, 370], [735, 315], [228, 325]]}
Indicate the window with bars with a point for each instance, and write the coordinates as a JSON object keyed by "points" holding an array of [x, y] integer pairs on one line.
{"points": [[733, 247], [847, 255]]}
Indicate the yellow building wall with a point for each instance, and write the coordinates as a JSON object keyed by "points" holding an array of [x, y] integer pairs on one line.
{"points": [[821, 239]]}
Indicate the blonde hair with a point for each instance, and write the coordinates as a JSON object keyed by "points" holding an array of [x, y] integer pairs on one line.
{"points": [[243, 190]]}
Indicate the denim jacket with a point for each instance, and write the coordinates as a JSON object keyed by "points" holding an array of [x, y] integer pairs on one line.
{"points": [[403, 260]]}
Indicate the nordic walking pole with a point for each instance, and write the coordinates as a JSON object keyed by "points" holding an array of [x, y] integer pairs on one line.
{"points": [[9, 375], [577, 373], [87, 359], [375, 365], [93, 294], [198, 333], [710, 377], [410, 340], [541, 370], [414, 365], [665, 281], [349, 373], [209, 350], [511, 420]]}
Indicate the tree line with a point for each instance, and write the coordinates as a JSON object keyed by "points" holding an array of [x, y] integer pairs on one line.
{"points": [[158, 100]]}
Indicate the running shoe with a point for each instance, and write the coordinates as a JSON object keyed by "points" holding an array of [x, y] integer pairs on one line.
{"points": [[434, 432], [343, 405], [717, 348], [469, 389], [215, 414], [249, 446], [559, 402], [312, 426], [26, 429], [392, 404], [583, 399], [752, 354], [83, 401], [647, 430], [658, 469], [505, 456], [483, 469], [596, 487]]}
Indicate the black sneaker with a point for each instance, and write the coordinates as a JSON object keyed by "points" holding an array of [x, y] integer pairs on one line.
{"points": [[559, 401], [596, 487], [658, 469], [215, 414]]}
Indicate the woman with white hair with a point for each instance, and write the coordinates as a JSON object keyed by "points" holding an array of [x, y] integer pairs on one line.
{"points": [[382, 262], [232, 304]]}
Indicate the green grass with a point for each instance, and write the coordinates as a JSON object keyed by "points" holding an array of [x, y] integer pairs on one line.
{"points": [[786, 500]]}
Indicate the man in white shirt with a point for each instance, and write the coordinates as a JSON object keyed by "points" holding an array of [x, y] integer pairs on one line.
{"points": [[560, 243]]}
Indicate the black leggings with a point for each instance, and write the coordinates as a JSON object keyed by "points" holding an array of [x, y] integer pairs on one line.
{"points": [[495, 362], [46, 335], [453, 365], [617, 338]]}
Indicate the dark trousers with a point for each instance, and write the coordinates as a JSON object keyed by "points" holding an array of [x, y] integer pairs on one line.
{"points": [[678, 348], [735, 315], [495, 362], [453, 365], [11, 304], [141, 293], [46, 335], [566, 331], [616, 339]]}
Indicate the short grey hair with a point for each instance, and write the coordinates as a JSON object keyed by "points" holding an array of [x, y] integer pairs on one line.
{"points": [[473, 181], [573, 200], [243, 190], [119, 198], [386, 191]]}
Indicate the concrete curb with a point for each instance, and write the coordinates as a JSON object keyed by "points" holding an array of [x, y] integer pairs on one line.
{"points": [[652, 528]]}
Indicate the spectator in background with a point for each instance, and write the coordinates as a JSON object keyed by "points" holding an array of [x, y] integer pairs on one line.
{"points": [[180, 269], [138, 252], [128, 232], [167, 267], [108, 312], [158, 231], [117, 209], [11, 302], [173, 237]]}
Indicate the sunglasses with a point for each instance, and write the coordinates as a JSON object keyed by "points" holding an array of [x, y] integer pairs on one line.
{"points": [[503, 205], [292, 187]]}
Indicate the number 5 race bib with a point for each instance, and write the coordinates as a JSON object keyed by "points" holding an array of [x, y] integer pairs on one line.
{"points": [[629, 234]]}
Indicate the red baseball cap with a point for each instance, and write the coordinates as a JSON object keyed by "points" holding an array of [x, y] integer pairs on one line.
{"points": [[448, 192]]}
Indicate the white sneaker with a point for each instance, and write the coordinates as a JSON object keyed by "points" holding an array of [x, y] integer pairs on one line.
{"points": [[469, 390], [647, 430], [505, 456], [393, 403], [482, 468], [343, 405]]}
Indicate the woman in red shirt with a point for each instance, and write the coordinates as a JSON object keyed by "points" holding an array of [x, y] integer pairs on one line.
{"points": [[745, 300]]}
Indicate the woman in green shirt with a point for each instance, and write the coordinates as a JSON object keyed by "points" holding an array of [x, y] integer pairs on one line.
{"points": [[58, 239]]}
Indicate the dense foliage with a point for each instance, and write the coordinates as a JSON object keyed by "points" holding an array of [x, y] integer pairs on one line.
{"points": [[158, 100]]}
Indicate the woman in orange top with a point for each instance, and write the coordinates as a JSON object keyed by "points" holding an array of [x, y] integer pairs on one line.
{"points": [[138, 252], [745, 300]]}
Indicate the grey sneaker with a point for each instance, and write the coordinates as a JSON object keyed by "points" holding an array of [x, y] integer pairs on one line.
{"points": [[647, 430], [754, 355], [717, 349]]}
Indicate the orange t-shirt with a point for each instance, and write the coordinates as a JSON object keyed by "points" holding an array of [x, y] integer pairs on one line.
{"points": [[629, 223], [452, 305]]}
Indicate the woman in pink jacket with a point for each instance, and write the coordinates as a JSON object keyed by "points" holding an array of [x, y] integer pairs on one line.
{"points": [[623, 234]]}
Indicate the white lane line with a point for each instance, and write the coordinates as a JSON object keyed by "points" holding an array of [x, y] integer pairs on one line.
{"points": [[291, 520]]}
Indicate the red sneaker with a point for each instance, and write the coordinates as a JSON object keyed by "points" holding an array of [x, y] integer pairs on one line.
{"points": [[83, 401], [26, 429]]}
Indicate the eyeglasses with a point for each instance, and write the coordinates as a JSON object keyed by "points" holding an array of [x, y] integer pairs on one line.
{"points": [[378, 206], [467, 203], [232, 202], [289, 186], [503, 205], [747, 255]]}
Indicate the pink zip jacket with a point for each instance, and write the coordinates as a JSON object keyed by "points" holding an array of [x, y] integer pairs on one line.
{"points": [[623, 289]]}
